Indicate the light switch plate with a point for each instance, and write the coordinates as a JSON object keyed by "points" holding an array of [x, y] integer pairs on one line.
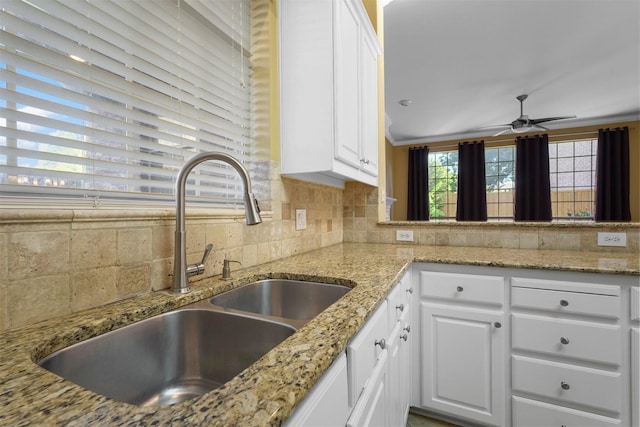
{"points": [[301, 219]]}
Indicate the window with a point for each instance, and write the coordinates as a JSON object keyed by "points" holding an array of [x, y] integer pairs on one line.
{"points": [[572, 166], [107, 99], [500, 174], [443, 184]]}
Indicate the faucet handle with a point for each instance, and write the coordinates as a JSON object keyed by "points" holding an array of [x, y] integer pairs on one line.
{"points": [[226, 268], [198, 268], [207, 251]]}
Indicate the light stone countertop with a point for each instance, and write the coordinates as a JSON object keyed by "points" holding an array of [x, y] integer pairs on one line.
{"points": [[267, 391]]}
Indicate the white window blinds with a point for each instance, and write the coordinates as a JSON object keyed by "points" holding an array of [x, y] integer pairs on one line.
{"points": [[107, 99]]}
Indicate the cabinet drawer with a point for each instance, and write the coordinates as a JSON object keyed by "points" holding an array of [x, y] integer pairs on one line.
{"points": [[531, 413], [579, 385], [565, 302], [635, 303], [362, 352], [567, 338], [398, 302], [462, 287]]}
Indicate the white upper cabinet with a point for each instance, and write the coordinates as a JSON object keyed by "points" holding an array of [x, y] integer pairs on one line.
{"points": [[328, 91]]}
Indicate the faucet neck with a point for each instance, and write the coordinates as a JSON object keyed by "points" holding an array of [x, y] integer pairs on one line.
{"points": [[180, 278]]}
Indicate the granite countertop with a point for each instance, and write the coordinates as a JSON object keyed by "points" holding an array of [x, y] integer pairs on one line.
{"points": [[267, 391]]}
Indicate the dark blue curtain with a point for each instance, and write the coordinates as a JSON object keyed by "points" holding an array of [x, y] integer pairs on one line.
{"points": [[418, 192], [533, 187], [612, 175], [472, 183]]}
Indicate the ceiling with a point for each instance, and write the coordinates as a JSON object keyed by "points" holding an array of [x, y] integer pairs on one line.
{"points": [[463, 62]]}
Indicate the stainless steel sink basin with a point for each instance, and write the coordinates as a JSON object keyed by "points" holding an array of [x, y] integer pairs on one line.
{"points": [[286, 299], [168, 358]]}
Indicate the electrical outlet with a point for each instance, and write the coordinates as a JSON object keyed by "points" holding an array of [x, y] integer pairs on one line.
{"points": [[301, 219], [404, 235], [612, 239]]}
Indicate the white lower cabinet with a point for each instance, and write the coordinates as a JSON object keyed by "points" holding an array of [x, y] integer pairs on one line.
{"points": [[463, 360], [635, 376], [327, 402], [568, 362], [527, 412], [463, 347]]}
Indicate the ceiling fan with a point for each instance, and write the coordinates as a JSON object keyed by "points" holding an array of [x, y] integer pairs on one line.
{"points": [[524, 123]]}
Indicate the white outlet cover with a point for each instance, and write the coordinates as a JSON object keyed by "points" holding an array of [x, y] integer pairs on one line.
{"points": [[404, 235], [301, 219], [612, 239]]}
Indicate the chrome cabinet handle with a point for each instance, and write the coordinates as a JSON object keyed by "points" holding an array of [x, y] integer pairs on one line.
{"points": [[382, 343], [497, 325], [365, 161], [404, 337], [410, 290], [564, 340], [564, 303], [407, 328], [565, 386], [459, 289], [400, 307]]}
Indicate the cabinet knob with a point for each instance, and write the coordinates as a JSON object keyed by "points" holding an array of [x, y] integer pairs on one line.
{"points": [[564, 303], [364, 161], [564, 340], [459, 289], [497, 324], [407, 328], [565, 386], [404, 337], [400, 307], [382, 343], [410, 290]]}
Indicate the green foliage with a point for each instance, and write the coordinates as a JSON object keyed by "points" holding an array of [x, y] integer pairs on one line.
{"points": [[443, 179]]}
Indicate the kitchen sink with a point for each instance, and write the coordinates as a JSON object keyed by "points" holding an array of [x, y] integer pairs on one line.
{"points": [[293, 300], [168, 358]]}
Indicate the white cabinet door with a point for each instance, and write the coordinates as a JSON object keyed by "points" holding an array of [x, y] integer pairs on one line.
{"points": [[635, 376], [463, 362], [347, 91], [327, 403], [369, 101], [372, 407]]}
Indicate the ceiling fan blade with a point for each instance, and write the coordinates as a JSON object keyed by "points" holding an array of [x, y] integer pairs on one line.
{"points": [[502, 131], [506, 125], [539, 127], [549, 119]]}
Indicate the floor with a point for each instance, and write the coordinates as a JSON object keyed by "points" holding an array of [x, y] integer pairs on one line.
{"points": [[416, 420]]}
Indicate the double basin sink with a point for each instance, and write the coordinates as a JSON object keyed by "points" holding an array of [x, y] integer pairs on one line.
{"points": [[178, 355]]}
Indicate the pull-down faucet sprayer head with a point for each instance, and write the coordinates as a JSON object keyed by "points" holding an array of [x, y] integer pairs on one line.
{"points": [[251, 209]]}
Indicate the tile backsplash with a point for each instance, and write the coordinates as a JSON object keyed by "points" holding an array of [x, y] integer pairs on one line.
{"points": [[361, 225], [53, 262]]}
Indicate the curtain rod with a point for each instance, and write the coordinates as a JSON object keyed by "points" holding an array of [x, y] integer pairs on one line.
{"points": [[497, 141]]}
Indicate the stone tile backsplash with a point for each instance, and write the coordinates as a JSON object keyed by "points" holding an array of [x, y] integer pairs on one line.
{"points": [[53, 262], [61, 261], [361, 225]]}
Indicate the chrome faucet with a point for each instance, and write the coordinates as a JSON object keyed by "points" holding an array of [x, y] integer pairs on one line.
{"points": [[181, 271]]}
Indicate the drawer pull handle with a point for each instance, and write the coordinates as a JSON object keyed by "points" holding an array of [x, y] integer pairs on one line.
{"points": [[407, 328], [400, 307], [565, 386], [404, 337], [564, 340], [410, 290], [564, 303], [459, 289], [497, 324], [382, 343]]}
